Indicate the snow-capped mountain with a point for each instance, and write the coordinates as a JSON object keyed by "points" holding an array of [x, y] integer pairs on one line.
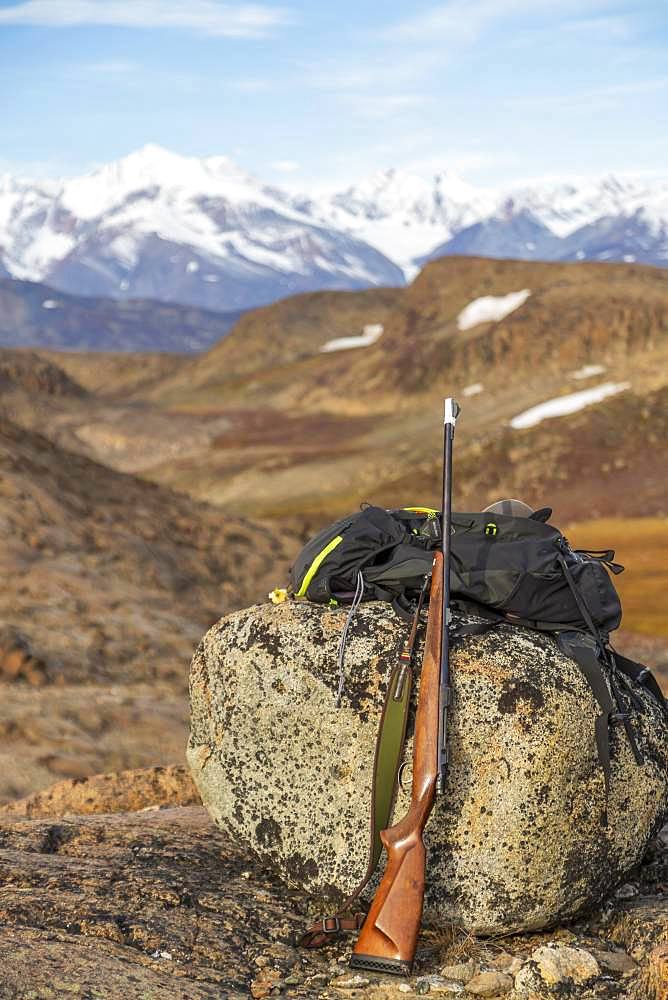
{"points": [[158, 225], [403, 214], [582, 218], [203, 232]]}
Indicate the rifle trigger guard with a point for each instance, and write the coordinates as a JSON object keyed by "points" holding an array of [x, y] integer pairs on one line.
{"points": [[400, 776]]}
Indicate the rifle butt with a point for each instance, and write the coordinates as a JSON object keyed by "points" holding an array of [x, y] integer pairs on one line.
{"points": [[388, 939]]}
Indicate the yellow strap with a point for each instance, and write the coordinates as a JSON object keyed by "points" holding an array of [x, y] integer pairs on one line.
{"points": [[421, 510], [313, 568]]}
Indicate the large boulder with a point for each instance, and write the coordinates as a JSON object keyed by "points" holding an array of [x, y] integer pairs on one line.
{"points": [[516, 843]]}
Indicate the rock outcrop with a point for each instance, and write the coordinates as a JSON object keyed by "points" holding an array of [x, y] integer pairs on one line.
{"points": [[516, 843], [118, 791]]}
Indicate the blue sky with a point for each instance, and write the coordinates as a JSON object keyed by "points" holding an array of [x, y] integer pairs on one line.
{"points": [[308, 93]]}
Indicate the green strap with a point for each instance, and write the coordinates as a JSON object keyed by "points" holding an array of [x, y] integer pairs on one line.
{"points": [[389, 751]]}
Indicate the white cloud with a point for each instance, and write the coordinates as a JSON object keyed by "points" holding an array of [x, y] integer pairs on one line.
{"points": [[111, 67], [285, 166], [463, 21], [584, 102], [364, 72], [380, 106], [250, 86], [600, 27], [462, 161], [207, 16]]}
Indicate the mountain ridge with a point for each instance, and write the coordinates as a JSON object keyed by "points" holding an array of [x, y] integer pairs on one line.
{"points": [[36, 315], [155, 224]]}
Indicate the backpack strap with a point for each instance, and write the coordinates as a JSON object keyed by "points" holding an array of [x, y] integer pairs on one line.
{"points": [[582, 605], [387, 758], [582, 649], [640, 674]]}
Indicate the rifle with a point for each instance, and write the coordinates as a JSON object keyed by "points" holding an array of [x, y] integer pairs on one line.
{"points": [[388, 937]]}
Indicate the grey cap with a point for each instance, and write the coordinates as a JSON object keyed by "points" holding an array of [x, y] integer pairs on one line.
{"points": [[512, 508]]}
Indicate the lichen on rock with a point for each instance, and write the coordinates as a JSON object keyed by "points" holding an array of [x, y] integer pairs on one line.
{"points": [[516, 843]]}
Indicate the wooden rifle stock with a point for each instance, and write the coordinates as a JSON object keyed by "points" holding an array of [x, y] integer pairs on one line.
{"points": [[388, 938]]}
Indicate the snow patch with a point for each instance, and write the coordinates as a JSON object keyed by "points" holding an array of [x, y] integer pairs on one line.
{"points": [[491, 308], [370, 334], [562, 405], [587, 371], [50, 304], [473, 390]]}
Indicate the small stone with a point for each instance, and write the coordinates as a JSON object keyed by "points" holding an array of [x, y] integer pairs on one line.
{"points": [[503, 960], [510, 964], [438, 984], [349, 982], [462, 971], [615, 961], [552, 964], [490, 984], [265, 983], [405, 988], [626, 891]]}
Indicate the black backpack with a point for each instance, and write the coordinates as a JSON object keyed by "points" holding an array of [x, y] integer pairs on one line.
{"points": [[519, 567]]}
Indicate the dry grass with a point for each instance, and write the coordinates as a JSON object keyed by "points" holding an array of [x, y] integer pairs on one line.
{"points": [[641, 545]]}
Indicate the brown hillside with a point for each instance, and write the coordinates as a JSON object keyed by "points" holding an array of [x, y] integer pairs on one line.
{"points": [[113, 375], [267, 424], [277, 336], [100, 567], [576, 314], [33, 373], [317, 436], [108, 584]]}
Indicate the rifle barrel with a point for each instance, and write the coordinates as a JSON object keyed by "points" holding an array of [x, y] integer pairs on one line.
{"points": [[452, 410]]}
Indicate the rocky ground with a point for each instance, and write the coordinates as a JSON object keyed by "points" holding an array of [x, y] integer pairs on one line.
{"points": [[158, 904]]}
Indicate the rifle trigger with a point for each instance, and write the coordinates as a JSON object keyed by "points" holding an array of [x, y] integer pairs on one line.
{"points": [[400, 776]]}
